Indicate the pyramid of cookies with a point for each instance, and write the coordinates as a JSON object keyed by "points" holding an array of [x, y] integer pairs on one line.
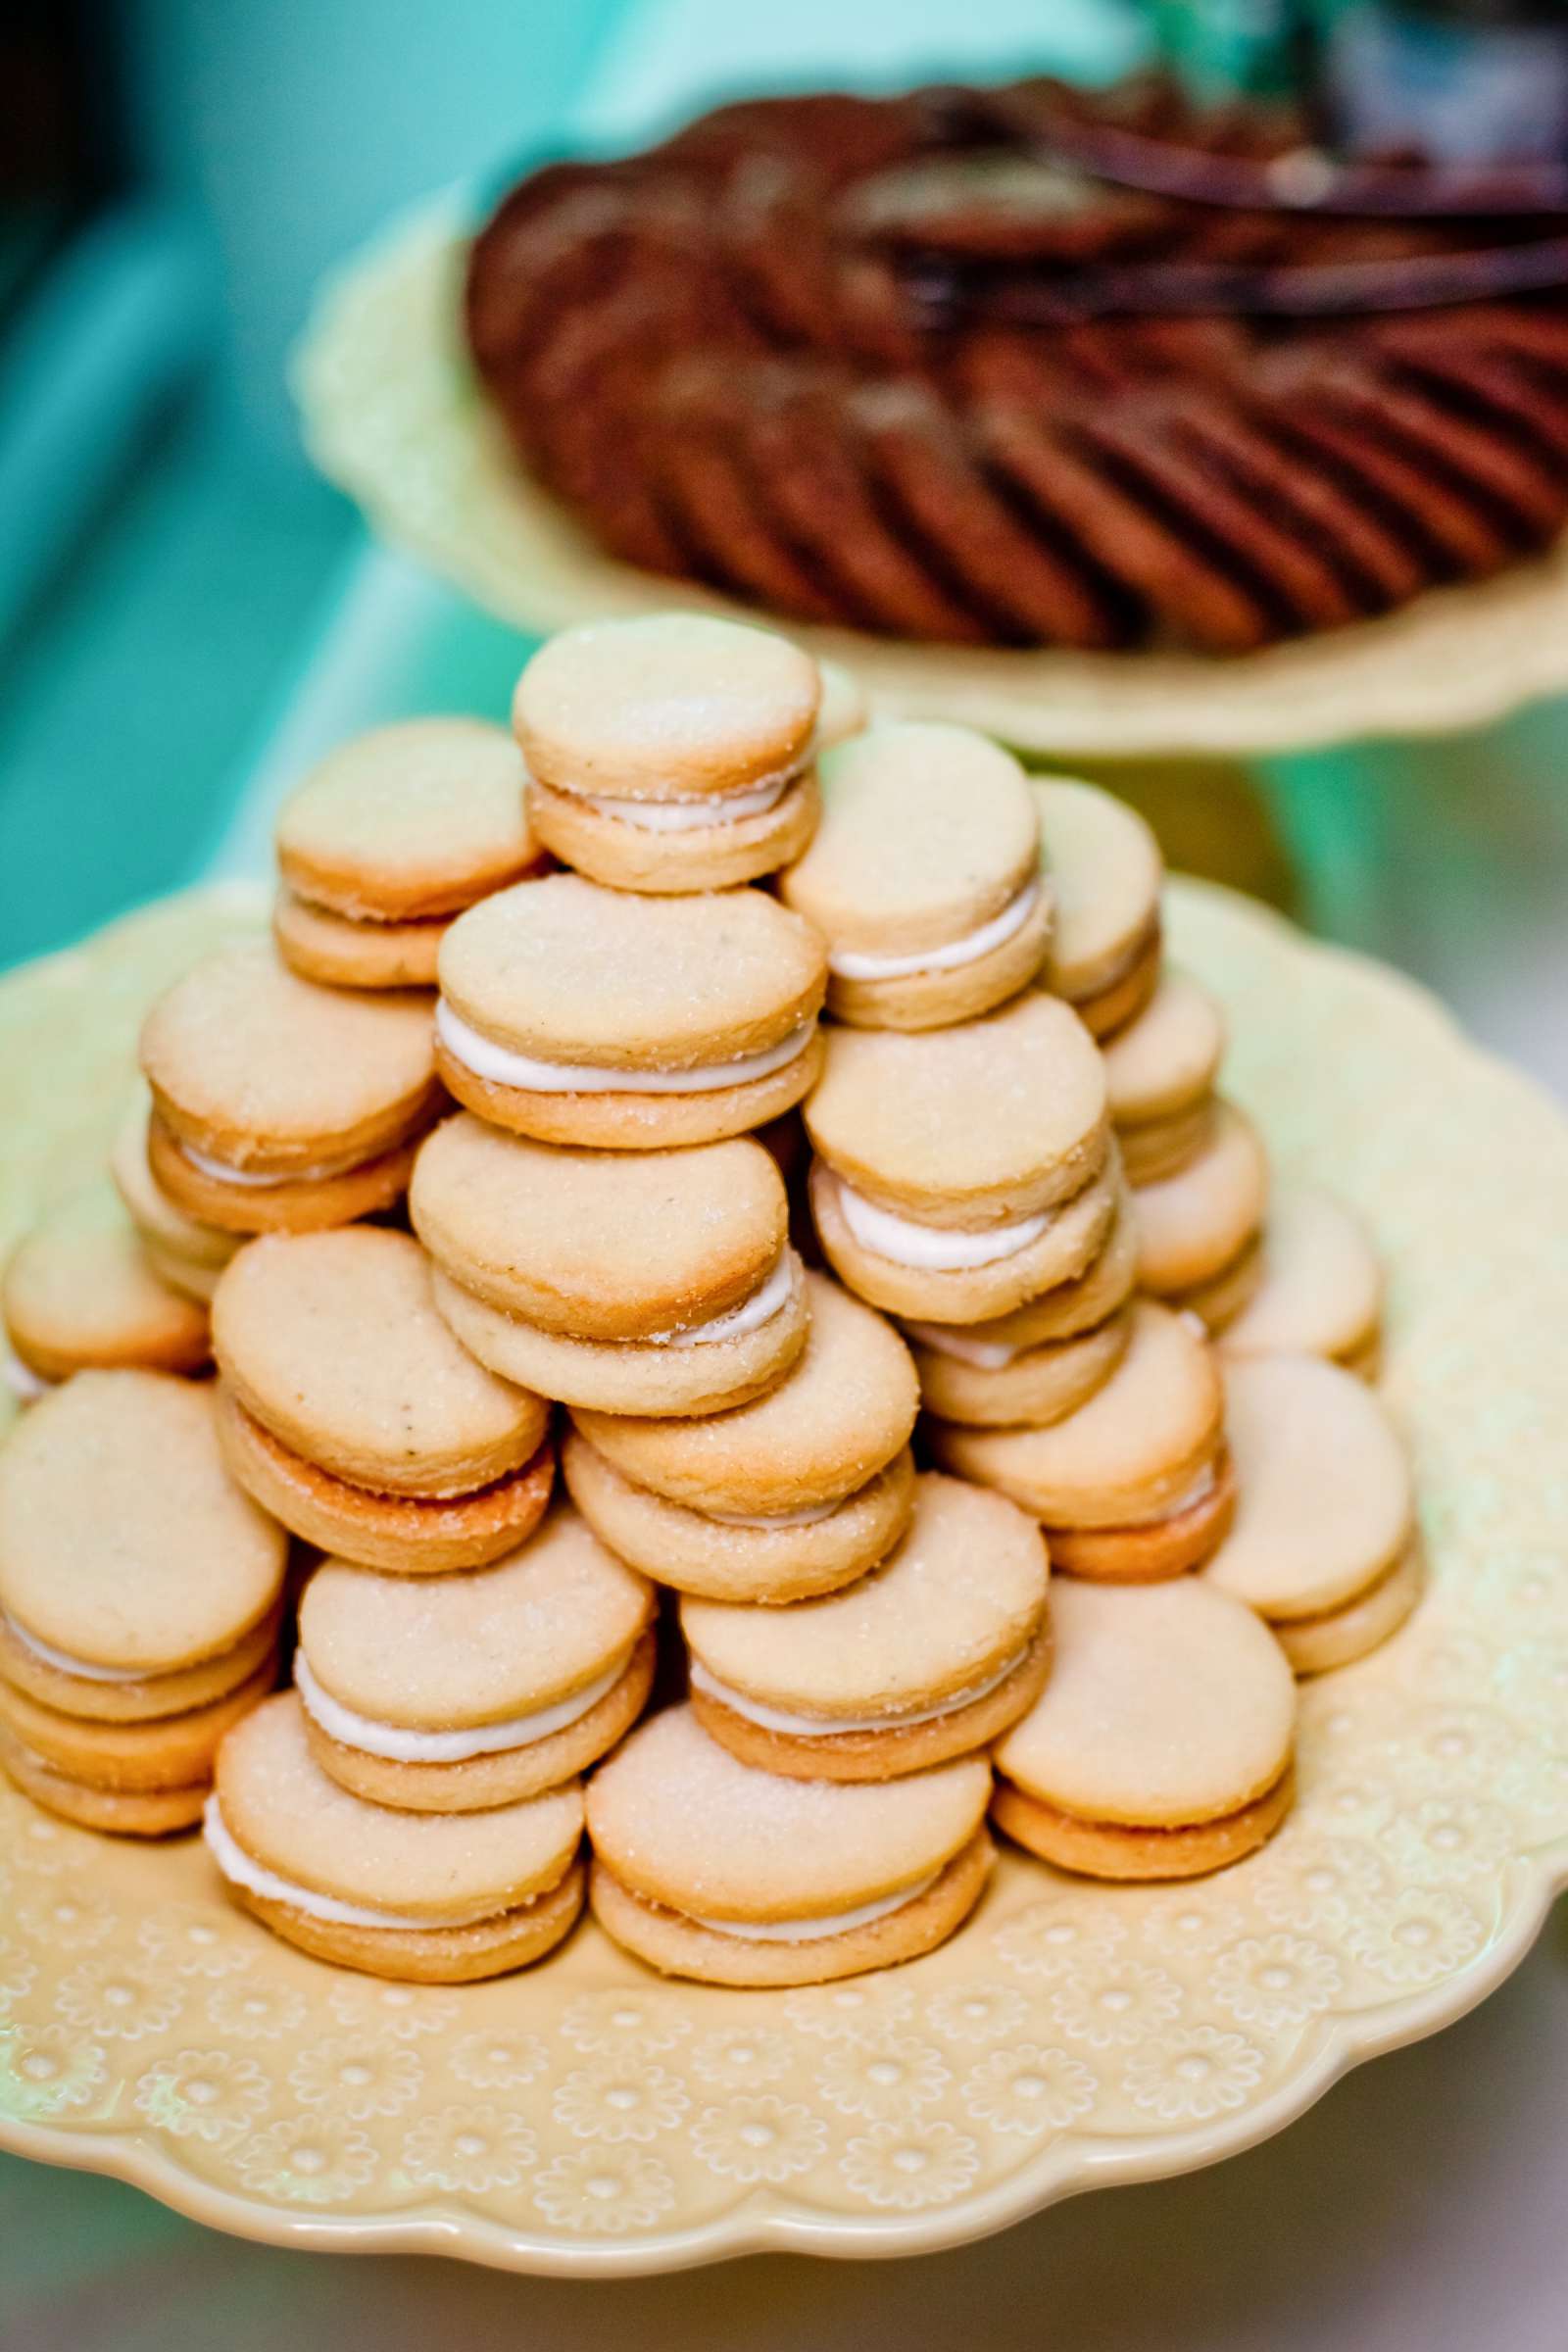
{"points": [[793, 1227]]}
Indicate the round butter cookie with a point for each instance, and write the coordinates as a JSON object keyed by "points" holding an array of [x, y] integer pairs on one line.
{"points": [[351, 1413], [920, 1660], [1320, 1285], [635, 1282], [1161, 1746], [992, 1386], [280, 1105], [78, 1292], [1195, 1227], [1104, 869], [388, 838], [578, 1015], [924, 877], [1133, 1485], [708, 1867], [1160, 1069], [434, 1898], [672, 752], [479, 1689], [188, 1253]]}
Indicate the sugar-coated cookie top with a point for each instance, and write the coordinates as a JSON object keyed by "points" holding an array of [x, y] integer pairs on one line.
{"points": [[1105, 869], [937, 1117], [1322, 1286], [242, 1051], [413, 819], [1167, 1704], [599, 1245], [665, 707], [1167, 1058], [837, 1417], [123, 1541], [434, 1653], [1324, 1498], [961, 1594], [78, 1290], [332, 1341], [569, 971], [678, 1819], [927, 833], [288, 1814]]}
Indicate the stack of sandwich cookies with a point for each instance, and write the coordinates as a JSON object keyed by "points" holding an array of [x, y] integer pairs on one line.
{"points": [[1160, 1071], [930, 1655], [1104, 869], [348, 1410], [477, 1688], [795, 1494], [140, 1602], [1161, 1747], [441, 1898], [79, 1293], [630, 1282], [1320, 1287], [671, 753], [1137, 1485], [579, 1014], [708, 1867], [924, 877], [1199, 1230], [278, 1105], [1323, 1544], [390, 837], [186, 1252]]}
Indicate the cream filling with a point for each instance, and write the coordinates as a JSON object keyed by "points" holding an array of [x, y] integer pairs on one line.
{"points": [[750, 1314], [64, 1663], [25, 1384], [1202, 1485], [809, 1931], [691, 815], [222, 1173], [501, 1066], [405, 1747], [766, 1519], [850, 964], [816, 1727], [931, 1246], [987, 1355], [241, 1870]]}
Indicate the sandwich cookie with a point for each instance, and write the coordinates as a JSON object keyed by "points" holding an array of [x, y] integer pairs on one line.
{"points": [[140, 1602], [637, 1281], [1198, 1230], [584, 1015], [672, 752], [794, 1493], [1323, 1542], [78, 1292], [921, 1659], [475, 1690], [188, 1252], [390, 837], [283, 1105], [708, 1867], [962, 1171], [351, 1413], [1320, 1291], [1160, 1071], [1161, 1747], [432, 1898], [1104, 869], [1137, 1483], [924, 877]]}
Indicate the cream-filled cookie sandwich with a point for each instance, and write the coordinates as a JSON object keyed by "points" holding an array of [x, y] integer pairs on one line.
{"points": [[185, 1250], [931, 1655], [79, 1293], [1135, 1485], [1199, 1231], [794, 1493], [282, 1105], [579, 1014], [351, 1412], [387, 839], [1161, 1747], [140, 1593], [430, 1898], [1323, 1545], [1104, 869], [635, 1282], [1161, 1070], [670, 753], [1320, 1285], [475, 1690], [923, 876], [708, 1867]]}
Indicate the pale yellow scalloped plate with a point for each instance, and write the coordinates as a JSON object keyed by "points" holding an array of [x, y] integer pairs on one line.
{"points": [[586, 2117], [391, 413]]}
